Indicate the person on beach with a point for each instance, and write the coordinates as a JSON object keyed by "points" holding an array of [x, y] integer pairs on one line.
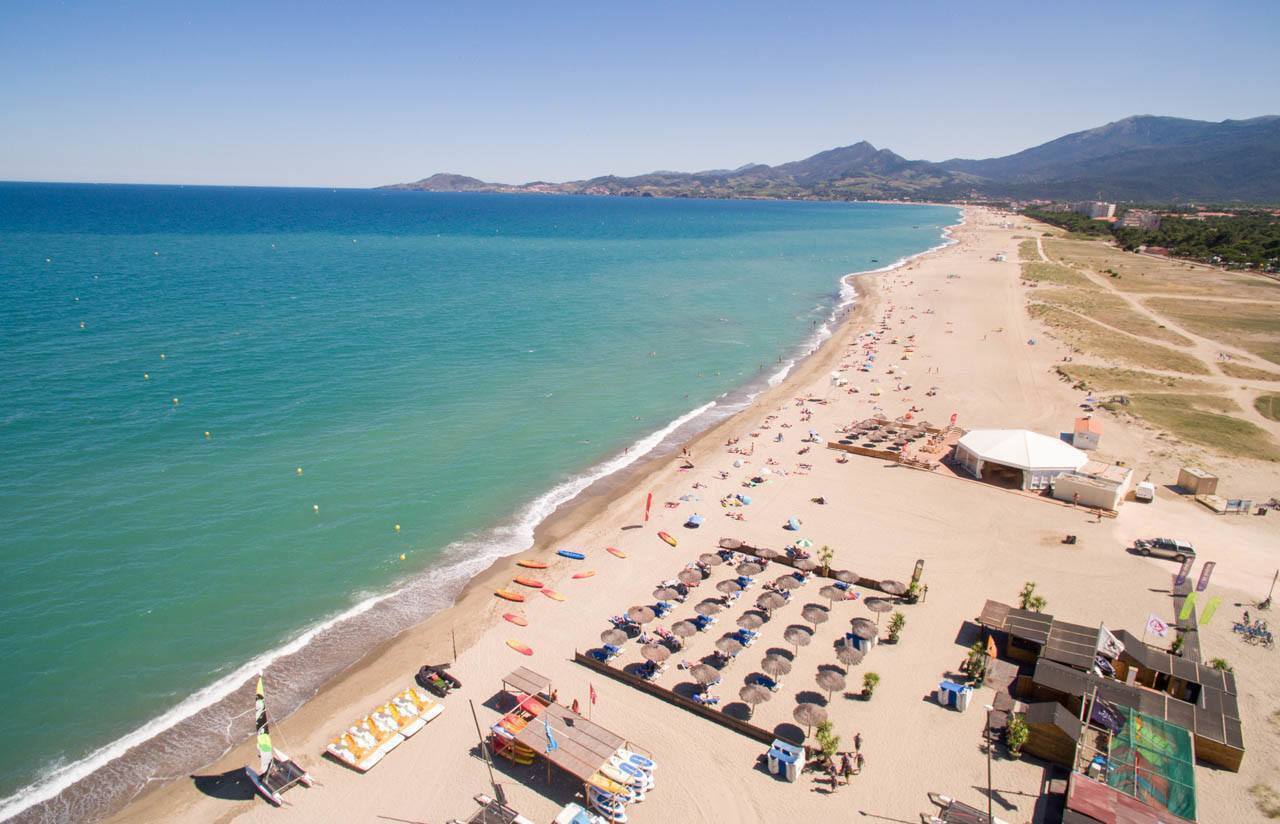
{"points": [[846, 766], [857, 742], [833, 774], [862, 759]]}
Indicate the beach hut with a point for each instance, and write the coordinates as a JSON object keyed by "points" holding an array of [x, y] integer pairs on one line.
{"points": [[1017, 458], [1086, 433]]}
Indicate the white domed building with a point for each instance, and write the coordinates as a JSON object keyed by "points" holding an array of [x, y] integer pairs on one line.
{"points": [[1017, 458]]}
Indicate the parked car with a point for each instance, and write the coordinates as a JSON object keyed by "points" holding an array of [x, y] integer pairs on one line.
{"points": [[1165, 548]]}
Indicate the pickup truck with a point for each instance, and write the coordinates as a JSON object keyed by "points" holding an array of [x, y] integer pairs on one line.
{"points": [[1165, 548]]}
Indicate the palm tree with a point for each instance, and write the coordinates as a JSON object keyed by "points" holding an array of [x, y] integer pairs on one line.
{"points": [[824, 557], [1029, 599]]}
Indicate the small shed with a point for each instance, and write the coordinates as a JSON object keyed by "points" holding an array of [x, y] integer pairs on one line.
{"points": [[1087, 433], [1097, 485], [1196, 481], [1052, 732]]}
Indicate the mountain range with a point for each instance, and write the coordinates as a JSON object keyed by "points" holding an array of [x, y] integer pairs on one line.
{"points": [[1140, 158]]}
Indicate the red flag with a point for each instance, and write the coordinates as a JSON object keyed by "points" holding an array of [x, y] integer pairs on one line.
{"points": [[954, 415], [648, 502], [592, 689]]}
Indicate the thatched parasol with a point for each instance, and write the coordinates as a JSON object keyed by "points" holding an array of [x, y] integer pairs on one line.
{"points": [[849, 655], [613, 637], [805, 564], [879, 606], [684, 629], [847, 576], [896, 588], [771, 601], [830, 680], [689, 577], [728, 587], [665, 593], [832, 593], [863, 628], [729, 646], [787, 581], [708, 608], [730, 543], [751, 620], [704, 673], [798, 636], [766, 554], [753, 694], [775, 665], [711, 559], [748, 568], [656, 653], [641, 615], [809, 714], [815, 614]]}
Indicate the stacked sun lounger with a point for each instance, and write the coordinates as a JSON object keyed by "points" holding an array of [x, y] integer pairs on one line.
{"points": [[366, 742]]}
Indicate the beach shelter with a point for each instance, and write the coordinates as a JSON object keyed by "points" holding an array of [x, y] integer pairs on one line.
{"points": [[1018, 458], [792, 524]]}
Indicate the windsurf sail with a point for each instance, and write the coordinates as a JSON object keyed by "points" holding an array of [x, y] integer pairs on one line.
{"points": [[264, 733]]}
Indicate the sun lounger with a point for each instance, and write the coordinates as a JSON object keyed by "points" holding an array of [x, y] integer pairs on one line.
{"points": [[764, 681], [706, 700]]}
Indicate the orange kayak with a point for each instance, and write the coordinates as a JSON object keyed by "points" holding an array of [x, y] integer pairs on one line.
{"points": [[519, 647], [666, 536], [528, 582], [509, 595], [518, 620], [615, 552], [553, 595], [580, 575], [531, 564]]}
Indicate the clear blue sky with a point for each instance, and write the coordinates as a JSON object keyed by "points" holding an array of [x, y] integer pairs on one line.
{"points": [[359, 94]]}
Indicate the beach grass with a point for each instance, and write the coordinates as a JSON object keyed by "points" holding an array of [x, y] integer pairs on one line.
{"points": [[1200, 419], [1268, 406], [1254, 327], [1140, 273], [1098, 340], [1027, 251], [1114, 379], [1110, 309], [1249, 373], [1055, 273]]}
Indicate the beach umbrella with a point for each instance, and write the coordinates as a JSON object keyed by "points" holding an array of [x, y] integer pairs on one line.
{"points": [[771, 601], [728, 587], [805, 564], [708, 608], [815, 614], [849, 655], [787, 581], [896, 588], [751, 620], [641, 615], [704, 673], [613, 637], [730, 543], [729, 646], [830, 680], [832, 593], [684, 629], [804, 543], [766, 554], [775, 665], [689, 577], [656, 653], [847, 576], [753, 694], [744, 499], [792, 524], [798, 636], [879, 606], [748, 568], [710, 559], [863, 628], [809, 714], [665, 593]]}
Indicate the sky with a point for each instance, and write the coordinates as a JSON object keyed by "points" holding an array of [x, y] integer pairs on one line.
{"points": [[362, 94]]}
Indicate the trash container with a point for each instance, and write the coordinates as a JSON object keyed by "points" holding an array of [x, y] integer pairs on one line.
{"points": [[956, 696], [785, 760]]}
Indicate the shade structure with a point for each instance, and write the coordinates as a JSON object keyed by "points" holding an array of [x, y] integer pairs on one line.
{"points": [[728, 587], [805, 564], [710, 559], [766, 554], [689, 577], [751, 620], [656, 653], [704, 673], [847, 576], [787, 581], [878, 605], [775, 665], [684, 629], [830, 680], [832, 593], [749, 568], [798, 636], [809, 714], [815, 614], [864, 628], [893, 587], [729, 646], [641, 615], [753, 694], [665, 593], [771, 601], [730, 543], [708, 608], [613, 637], [804, 543], [849, 655], [1018, 448]]}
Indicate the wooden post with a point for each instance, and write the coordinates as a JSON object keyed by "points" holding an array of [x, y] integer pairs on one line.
{"points": [[453, 636]]}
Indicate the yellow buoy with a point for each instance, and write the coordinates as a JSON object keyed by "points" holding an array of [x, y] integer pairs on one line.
{"points": [[299, 470], [315, 507], [206, 434], [162, 356], [397, 527], [175, 401], [146, 376], [402, 556]]}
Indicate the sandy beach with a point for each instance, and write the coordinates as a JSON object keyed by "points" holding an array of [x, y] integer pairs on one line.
{"points": [[964, 314]]}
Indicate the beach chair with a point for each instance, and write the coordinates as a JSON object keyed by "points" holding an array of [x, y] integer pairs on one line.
{"points": [[662, 608], [706, 700], [764, 681]]}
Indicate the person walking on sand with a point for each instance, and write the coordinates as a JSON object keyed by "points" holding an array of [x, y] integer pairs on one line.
{"points": [[846, 767], [832, 774], [857, 742], [862, 759]]}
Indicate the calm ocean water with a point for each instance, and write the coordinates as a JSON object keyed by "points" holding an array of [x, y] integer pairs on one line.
{"points": [[358, 360]]}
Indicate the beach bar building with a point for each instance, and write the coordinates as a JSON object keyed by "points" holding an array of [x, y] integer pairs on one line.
{"points": [[1017, 458], [1097, 485]]}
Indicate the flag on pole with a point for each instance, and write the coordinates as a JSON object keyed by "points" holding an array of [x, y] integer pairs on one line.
{"points": [[1209, 609], [648, 502], [954, 416], [1188, 607], [551, 739], [992, 652], [1183, 572], [1109, 646], [1157, 626], [1205, 572], [591, 692]]}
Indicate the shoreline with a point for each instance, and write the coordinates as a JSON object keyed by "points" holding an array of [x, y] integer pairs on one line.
{"points": [[466, 577]]}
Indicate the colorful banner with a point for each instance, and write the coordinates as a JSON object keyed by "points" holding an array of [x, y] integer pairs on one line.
{"points": [[1157, 626], [1205, 572], [992, 652], [1183, 573], [648, 502], [1188, 607], [1209, 609], [1108, 646]]}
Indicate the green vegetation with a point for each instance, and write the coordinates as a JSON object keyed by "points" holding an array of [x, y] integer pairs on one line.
{"points": [[1027, 251], [1247, 240], [824, 557], [1199, 419], [1016, 733], [827, 740], [1249, 373], [1111, 309], [896, 622], [1055, 273], [1220, 664], [1268, 406], [1091, 337], [1108, 378], [1028, 598], [975, 662], [1139, 273], [1072, 222], [869, 683], [1252, 326]]}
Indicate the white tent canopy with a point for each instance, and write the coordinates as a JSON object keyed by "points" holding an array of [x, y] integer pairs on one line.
{"points": [[1040, 457]]}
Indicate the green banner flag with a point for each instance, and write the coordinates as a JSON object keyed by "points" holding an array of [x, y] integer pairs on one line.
{"points": [[1209, 609], [1188, 607]]}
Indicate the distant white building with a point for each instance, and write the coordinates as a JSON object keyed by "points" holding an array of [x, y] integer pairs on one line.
{"points": [[1094, 209]]}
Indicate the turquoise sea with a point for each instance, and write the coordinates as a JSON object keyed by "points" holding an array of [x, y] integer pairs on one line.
{"points": [[216, 404]]}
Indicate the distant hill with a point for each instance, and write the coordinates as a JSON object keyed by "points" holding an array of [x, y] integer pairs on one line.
{"points": [[1138, 158]]}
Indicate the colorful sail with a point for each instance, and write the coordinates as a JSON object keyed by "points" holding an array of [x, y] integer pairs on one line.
{"points": [[264, 734]]}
